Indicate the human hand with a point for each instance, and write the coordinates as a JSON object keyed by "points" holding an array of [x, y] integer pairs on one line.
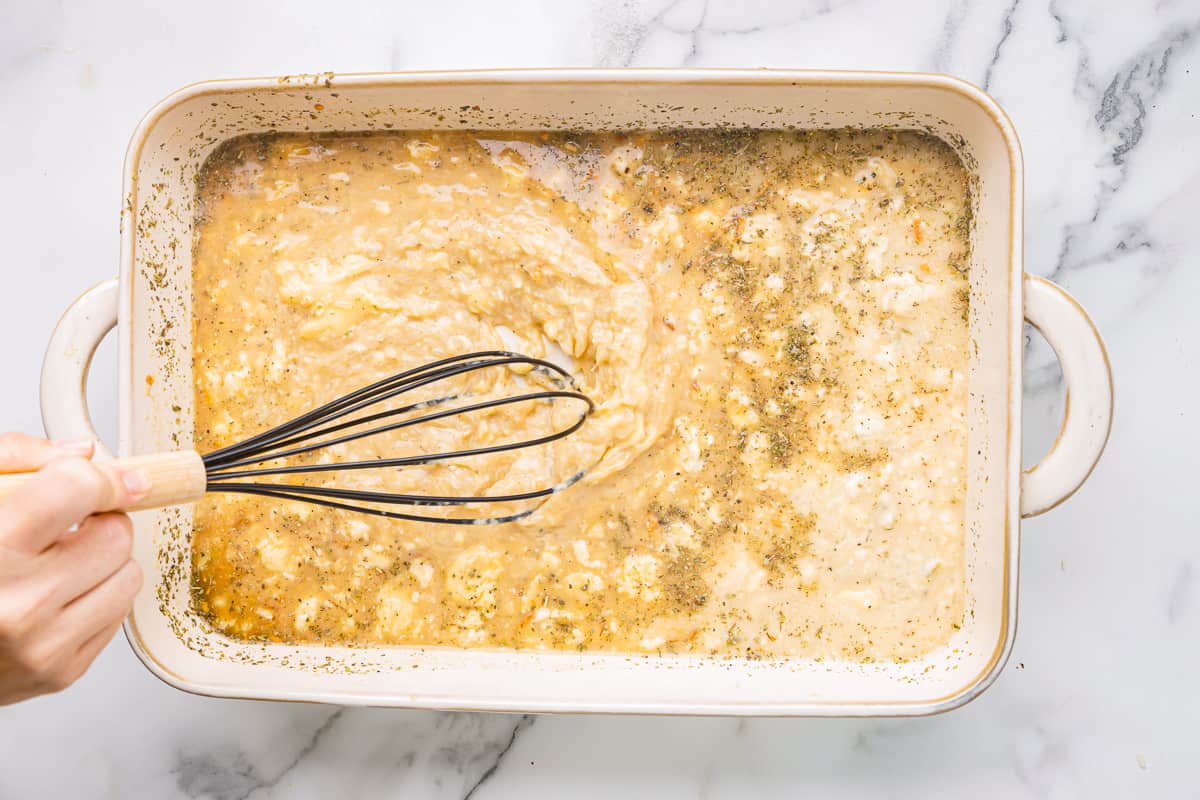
{"points": [[64, 590]]}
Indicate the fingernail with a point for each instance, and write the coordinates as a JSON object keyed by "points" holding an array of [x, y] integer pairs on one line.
{"points": [[136, 483], [81, 447]]}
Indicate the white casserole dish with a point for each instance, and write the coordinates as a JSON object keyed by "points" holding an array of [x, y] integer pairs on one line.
{"points": [[150, 305]]}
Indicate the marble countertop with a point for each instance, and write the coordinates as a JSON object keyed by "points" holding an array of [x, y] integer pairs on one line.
{"points": [[1099, 698]]}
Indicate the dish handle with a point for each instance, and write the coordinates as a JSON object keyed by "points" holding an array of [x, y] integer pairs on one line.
{"points": [[1087, 417], [69, 356]]}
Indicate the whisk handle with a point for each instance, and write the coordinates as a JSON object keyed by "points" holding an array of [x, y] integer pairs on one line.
{"points": [[175, 478]]}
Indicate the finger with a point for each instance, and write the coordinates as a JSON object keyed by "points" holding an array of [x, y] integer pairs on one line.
{"points": [[82, 659], [105, 605], [84, 559], [52, 658], [20, 452], [40, 511], [68, 667]]}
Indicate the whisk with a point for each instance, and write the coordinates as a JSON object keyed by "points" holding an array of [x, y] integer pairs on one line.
{"points": [[185, 476]]}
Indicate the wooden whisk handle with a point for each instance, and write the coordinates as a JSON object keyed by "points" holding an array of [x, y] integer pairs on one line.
{"points": [[175, 478]]}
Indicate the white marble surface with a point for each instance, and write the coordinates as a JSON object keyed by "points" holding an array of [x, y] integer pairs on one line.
{"points": [[1100, 696]]}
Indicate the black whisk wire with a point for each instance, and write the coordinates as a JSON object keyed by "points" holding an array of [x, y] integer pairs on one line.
{"points": [[225, 466]]}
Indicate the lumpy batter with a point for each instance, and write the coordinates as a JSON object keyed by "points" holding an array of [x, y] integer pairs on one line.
{"points": [[772, 325]]}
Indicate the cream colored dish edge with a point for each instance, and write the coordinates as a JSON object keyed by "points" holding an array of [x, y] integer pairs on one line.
{"points": [[149, 304]]}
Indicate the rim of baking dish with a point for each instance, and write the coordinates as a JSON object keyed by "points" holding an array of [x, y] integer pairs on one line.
{"points": [[970, 689]]}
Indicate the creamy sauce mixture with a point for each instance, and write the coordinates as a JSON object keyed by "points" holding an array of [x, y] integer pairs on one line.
{"points": [[772, 325]]}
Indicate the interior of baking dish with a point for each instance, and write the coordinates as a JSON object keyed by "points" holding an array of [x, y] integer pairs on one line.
{"points": [[157, 401]]}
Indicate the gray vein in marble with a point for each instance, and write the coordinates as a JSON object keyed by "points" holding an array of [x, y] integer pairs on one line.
{"points": [[310, 746], [1083, 69], [624, 36], [1179, 596], [523, 723], [1123, 109], [692, 33], [206, 776], [1152, 66], [1121, 113], [950, 29], [1007, 25]]}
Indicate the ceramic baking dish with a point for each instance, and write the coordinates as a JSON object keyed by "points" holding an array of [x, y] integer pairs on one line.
{"points": [[149, 303]]}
